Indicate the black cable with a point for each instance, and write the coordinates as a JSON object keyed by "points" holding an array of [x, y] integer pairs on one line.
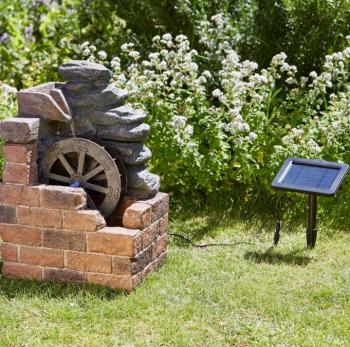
{"points": [[211, 244]]}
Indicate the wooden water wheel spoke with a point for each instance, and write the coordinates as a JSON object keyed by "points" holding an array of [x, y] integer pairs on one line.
{"points": [[100, 177], [84, 160], [59, 178], [93, 163], [90, 201], [81, 162], [93, 172], [66, 165], [96, 188]]}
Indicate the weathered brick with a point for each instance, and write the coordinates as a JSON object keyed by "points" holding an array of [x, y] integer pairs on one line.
{"points": [[149, 234], [20, 174], [64, 275], [164, 224], [115, 241], [142, 260], [59, 197], [63, 239], [121, 265], [11, 194], [86, 220], [161, 259], [16, 194], [116, 219], [30, 196], [20, 153], [20, 234], [136, 279], [22, 271], [160, 246], [159, 205], [123, 282], [41, 217], [19, 130], [88, 262], [7, 214], [9, 252], [41, 256], [137, 216]]}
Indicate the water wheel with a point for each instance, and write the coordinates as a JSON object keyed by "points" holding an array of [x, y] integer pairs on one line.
{"points": [[83, 163]]}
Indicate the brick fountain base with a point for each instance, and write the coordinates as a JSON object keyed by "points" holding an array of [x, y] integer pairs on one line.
{"points": [[48, 234]]}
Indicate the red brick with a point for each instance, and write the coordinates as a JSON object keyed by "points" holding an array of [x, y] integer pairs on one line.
{"points": [[20, 153], [124, 203], [116, 219], [160, 246], [137, 216], [30, 196], [20, 234], [149, 234], [142, 260], [88, 262], [19, 130], [17, 194], [62, 239], [41, 256], [7, 214], [164, 224], [41, 217], [9, 252], [22, 271], [11, 194], [159, 205], [20, 174], [115, 241], [121, 265], [123, 282], [59, 197], [86, 220], [64, 275]]}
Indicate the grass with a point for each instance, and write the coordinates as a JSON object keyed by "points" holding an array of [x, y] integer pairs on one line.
{"points": [[247, 295]]}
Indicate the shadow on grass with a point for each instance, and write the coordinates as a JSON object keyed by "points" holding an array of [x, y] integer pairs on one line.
{"points": [[271, 256]]}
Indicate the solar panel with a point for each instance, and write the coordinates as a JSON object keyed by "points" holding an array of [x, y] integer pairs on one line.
{"points": [[310, 176]]}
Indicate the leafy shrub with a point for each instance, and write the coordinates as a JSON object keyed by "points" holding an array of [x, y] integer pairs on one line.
{"points": [[36, 36], [232, 127]]}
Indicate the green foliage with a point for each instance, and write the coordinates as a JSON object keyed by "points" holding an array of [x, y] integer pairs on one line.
{"points": [[37, 36], [220, 123]]}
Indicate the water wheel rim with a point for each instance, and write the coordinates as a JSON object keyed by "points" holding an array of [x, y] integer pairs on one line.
{"points": [[84, 172]]}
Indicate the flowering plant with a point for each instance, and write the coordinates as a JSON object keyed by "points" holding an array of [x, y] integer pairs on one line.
{"points": [[234, 125]]}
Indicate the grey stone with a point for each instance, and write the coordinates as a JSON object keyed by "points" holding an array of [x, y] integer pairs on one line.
{"points": [[141, 183], [109, 97], [119, 115], [81, 70], [76, 88], [132, 153], [124, 133], [83, 126]]}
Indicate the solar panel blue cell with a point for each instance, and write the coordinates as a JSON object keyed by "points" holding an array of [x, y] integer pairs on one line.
{"points": [[310, 176]]}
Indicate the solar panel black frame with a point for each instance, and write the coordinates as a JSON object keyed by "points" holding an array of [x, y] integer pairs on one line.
{"points": [[288, 164]]}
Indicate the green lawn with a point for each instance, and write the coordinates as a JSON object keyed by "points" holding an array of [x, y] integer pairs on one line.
{"points": [[247, 295]]}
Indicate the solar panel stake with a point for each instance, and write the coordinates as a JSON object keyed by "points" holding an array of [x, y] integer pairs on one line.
{"points": [[311, 233], [313, 177]]}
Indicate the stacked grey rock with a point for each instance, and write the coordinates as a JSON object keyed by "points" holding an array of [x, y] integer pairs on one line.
{"points": [[99, 110]]}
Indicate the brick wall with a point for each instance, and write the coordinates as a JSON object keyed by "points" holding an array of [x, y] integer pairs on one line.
{"points": [[48, 233]]}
